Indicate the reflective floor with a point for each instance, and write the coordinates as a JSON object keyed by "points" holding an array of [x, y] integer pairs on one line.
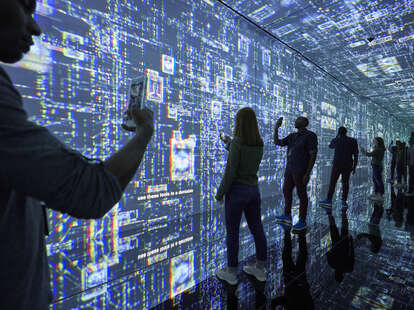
{"points": [[359, 259]]}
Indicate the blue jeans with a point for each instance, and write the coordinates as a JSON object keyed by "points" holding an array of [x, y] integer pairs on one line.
{"points": [[244, 198], [377, 178]]}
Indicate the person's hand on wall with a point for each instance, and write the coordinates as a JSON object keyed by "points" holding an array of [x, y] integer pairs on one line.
{"points": [[225, 138]]}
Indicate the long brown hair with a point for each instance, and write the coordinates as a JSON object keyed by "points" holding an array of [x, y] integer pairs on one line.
{"points": [[246, 128], [380, 143]]}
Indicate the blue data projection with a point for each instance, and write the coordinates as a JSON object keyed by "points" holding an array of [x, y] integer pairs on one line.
{"points": [[368, 45], [204, 62]]}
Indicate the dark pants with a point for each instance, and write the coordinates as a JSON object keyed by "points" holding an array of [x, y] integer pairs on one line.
{"points": [[393, 164], [336, 172], [244, 198], [401, 174], [411, 183], [377, 178], [293, 180]]}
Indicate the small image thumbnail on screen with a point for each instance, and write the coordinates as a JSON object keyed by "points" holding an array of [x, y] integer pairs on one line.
{"points": [[181, 273]]}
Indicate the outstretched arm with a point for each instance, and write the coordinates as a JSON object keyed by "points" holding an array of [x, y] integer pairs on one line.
{"points": [[124, 163], [390, 147], [333, 142], [37, 164], [370, 154]]}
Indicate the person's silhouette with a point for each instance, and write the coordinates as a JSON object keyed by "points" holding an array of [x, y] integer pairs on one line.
{"points": [[341, 256], [301, 156], [297, 295]]}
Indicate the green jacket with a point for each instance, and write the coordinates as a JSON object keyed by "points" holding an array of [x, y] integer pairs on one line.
{"points": [[242, 165], [377, 156]]}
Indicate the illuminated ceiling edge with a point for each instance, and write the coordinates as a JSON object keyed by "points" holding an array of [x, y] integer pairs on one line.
{"points": [[309, 60]]}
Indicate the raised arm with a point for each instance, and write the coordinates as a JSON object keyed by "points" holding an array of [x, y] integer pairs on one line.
{"points": [[226, 140], [370, 154], [124, 163], [37, 164], [390, 147], [276, 140]]}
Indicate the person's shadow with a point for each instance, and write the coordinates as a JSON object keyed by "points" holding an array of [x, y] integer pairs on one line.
{"points": [[374, 233], [297, 289], [341, 256]]}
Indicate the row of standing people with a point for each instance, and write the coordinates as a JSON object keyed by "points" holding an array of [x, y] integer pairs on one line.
{"points": [[239, 186], [39, 172], [402, 162]]}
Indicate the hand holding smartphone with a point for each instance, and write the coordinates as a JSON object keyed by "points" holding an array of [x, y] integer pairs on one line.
{"points": [[136, 99], [225, 138]]}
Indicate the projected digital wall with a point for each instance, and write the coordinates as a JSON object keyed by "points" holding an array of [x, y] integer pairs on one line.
{"points": [[366, 44], [167, 232]]}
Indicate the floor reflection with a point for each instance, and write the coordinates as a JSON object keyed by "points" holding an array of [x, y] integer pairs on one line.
{"points": [[366, 263], [297, 290]]}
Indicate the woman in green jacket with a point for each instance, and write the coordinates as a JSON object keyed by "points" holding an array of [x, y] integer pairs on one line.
{"points": [[377, 167], [239, 186]]}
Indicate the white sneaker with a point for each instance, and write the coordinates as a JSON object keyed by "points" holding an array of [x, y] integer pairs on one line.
{"points": [[226, 275], [258, 272]]}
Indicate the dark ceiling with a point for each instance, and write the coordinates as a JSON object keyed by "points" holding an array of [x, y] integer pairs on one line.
{"points": [[367, 45]]}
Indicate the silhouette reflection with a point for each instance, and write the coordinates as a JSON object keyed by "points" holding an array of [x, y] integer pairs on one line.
{"points": [[396, 211], [409, 222], [297, 295], [259, 288], [232, 302], [341, 256], [232, 291], [374, 233]]}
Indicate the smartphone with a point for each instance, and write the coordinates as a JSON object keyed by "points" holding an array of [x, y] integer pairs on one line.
{"points": [[136, 98]]}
